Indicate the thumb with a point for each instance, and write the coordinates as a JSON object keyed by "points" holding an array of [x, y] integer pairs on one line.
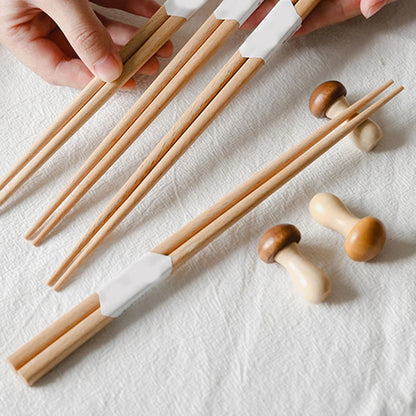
{"points": [[87, 36], [371, 7]]}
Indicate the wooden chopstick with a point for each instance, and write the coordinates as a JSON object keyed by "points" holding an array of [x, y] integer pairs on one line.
{"points": [[86, 94], [63, 346], [111, 217], [53, 332], [125, 132], [189, 230], [208, 39], [37, 357], [149, 48], [201, 239], [196, 119], [124, 200]]}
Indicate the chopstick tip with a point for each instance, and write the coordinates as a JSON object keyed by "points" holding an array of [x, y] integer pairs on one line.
{"points": [[51, 281], [25, 380], [27, 236], [9, 361], [396, 91], [37, 242]]}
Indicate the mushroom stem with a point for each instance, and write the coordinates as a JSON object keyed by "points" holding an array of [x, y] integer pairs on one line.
{"points": [[364, 238], [366, 136], [310, 281], [329, 211], [337, 107]]}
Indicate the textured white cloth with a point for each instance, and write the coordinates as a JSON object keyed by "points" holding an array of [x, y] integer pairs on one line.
{"points": [[227, 334]]}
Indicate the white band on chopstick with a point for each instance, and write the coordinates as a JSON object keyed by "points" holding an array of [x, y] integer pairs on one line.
{"points": [[120, 293], [183, 8], [277, 27], [239, 10]]}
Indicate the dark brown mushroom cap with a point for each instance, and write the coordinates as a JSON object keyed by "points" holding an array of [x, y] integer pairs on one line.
{"points": [[366, 239], [276, 239], [324, 96]]}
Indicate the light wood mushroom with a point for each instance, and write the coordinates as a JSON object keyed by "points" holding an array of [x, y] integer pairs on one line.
{"points": [[329, 99], [280, 245], [364, 238]]}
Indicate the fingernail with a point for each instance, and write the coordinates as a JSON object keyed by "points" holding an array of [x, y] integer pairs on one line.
{"points": [[108, 69], [371, 11]]}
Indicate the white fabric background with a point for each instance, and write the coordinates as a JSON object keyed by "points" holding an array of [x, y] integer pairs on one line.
{"points": [[227, 335]]}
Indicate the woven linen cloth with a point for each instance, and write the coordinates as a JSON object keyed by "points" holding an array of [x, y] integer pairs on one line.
{"points": [[226, 334]]}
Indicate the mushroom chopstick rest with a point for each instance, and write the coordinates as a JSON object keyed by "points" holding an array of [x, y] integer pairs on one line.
{"points": [[365, 238], [328, 100], [280, 245]]}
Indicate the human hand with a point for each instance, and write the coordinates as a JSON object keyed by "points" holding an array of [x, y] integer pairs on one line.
{"points": [[328, 12], [66, 42]]}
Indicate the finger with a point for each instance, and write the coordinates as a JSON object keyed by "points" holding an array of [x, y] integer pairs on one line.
{"points": [[61, 41], [166, 50], [31, 43], [129, 85], [371, 7], [151, 67], [256, 18], [121, 33], [47, 60], [145, 8], [39, 26], [329, 12], [87, 36]]}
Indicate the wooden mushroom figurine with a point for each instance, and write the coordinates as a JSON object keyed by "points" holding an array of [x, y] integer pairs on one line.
{"points": [[364, 238], [328, 100], [280, 245]]}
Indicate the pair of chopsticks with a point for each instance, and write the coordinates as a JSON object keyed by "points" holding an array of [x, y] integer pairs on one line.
{"points": [[154, 34], [196, 53], [220, 91], [50, 347]]}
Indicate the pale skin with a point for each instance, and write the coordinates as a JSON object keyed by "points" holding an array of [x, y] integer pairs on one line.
{"points": [[67, 43]]}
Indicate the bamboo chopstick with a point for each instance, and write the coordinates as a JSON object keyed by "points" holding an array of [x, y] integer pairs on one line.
{"points": [[49, 348], [149, 48], [206, 41], [86, 94], [215, 97]]}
